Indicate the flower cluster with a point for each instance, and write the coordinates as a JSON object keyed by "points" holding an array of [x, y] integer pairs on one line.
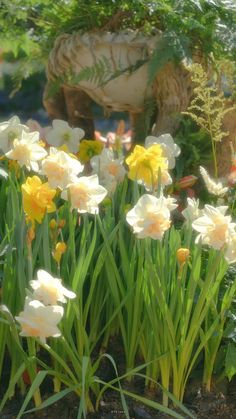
{"points": [[62, 169], [41, 313]]}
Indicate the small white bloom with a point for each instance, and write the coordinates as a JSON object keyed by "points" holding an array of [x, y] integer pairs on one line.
{"points": [[214, 226], [49, 290], [170, 149], [215, 188], [59, 168], [38, 320], [150, 217], [27, 151], [230, 254], [62, 134], [9, 131], [110, 170], [192, 211], [85, 194]]}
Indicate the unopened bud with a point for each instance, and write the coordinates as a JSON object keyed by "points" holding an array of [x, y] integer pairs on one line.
{"points": [[53, 224], [182, 255], [59, 250]]}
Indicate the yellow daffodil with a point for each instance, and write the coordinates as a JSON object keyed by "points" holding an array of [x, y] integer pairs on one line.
{"points": [[88, 149], [37, 198], [58, 252], [169, 148], [145, 165]]}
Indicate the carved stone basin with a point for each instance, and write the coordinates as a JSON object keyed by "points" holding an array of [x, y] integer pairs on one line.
{"points": [[112, 70]]}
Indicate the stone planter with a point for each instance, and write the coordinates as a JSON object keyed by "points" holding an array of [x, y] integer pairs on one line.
{"points": [[122, 58]]}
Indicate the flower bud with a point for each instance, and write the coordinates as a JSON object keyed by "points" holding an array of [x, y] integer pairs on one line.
{"points": [[58, 252], [182, 255], [53, 224], [186, 182]]}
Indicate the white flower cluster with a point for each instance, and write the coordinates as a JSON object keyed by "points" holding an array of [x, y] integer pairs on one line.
{"points": [[60, 167], [150, 217], [41, 313]]}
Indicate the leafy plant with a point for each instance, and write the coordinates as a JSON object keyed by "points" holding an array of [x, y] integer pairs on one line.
{"points": [[189, 27]]}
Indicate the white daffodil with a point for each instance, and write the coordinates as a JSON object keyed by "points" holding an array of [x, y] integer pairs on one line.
{"points": [[62, 134], [215, 188], [9, 131], [27, 151], [230, 253], [169, 202], [85, 194], [49, 290], [38, 320], [110, 170], [192, 211], [214, 226], [150, 217], [170, 149], [59, 168]]}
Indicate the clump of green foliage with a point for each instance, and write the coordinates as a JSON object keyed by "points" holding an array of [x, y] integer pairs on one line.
{"points": [[29, 28]]}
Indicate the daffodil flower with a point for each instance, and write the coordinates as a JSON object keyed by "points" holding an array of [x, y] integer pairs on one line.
{"points": [[146, 166], [9, 131], [214, 227], [170, 149], [27, 151], [37, 198], [85, 194], [59, 168], [62, 134], [40, 321], [49, 290], [110, 170], [150, 217]]}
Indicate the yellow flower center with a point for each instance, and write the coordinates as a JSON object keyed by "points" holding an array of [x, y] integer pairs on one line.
{"points": [[158, 224], [79, 196], [66, 137]]}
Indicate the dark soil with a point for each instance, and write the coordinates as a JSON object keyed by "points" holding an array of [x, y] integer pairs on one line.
{"points": [[202, 405], [220, 403]]}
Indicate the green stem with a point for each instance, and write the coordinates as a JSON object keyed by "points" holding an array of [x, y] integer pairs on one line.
{"points": [[32, 369]]}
